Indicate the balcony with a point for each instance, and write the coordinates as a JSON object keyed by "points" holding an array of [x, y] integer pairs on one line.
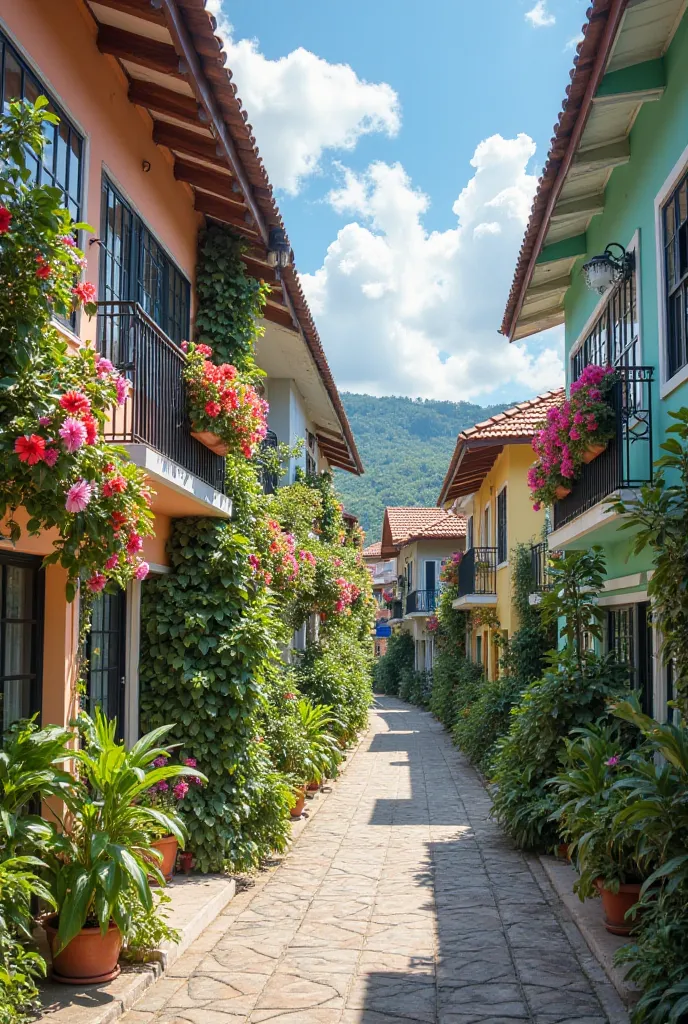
{"points": [[422, 602], [626, 462], [477, 578], [269, 478], [539, 554], [397, 611], [155, 415]]}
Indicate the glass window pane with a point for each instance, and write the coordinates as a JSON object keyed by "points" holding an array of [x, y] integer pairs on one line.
{"points": [[15, 701], [17, 654], [19, 593], [12, 84], [62, 150]]}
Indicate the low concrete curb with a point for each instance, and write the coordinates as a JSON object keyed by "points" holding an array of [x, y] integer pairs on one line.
{"points": [[587, 917], [196, 902]]}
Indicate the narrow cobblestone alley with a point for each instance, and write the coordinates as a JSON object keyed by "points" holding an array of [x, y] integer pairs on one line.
{"points": [[400, 901]]}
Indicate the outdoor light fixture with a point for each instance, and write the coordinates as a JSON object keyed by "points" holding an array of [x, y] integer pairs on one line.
{"points": [[604, 271], [279, 251]]}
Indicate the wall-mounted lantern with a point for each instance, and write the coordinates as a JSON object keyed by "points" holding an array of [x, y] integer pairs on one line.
{"points": [[279, 250], [604, 271]]}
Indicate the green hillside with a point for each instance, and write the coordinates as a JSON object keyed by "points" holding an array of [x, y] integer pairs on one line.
{"points": [[406, 445]]}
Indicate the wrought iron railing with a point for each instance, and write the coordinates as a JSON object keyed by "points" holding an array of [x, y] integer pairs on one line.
{"points": [[397, 610], [422, 601], [539, 557], [269, 477], [478, 572], [156, 413], [627, 460]]}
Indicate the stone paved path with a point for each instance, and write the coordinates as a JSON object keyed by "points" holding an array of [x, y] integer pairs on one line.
{"points": [[400, 901]]}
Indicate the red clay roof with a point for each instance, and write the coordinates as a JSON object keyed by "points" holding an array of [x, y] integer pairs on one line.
{"points": [[604, 18], [403, 525], [478, 447], [373, 550]]}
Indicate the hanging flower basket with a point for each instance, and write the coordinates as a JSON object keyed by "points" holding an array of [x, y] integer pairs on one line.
{"points": [[210, 440], [592, 452], [561, 492]]}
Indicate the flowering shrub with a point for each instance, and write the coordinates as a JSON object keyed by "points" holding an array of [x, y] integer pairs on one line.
{"points": [[432, 624], [585, 420], [485, 618], [166, 795], [450, 570], [224, 401], [57, 465]]}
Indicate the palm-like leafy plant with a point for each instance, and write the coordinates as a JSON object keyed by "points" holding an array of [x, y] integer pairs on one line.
{"points": [[105, 857], [324, 755]]}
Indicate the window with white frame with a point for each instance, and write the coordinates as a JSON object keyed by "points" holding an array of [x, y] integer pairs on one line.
{"points": [[675, 243]]}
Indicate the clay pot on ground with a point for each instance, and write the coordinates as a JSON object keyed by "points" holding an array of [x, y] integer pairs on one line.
{"points": [[562, 851], [300, 794], [313, 786], [617, 904], [210, 440], [168, 847], [562, 492], [186, 861], [592, 451], [89, 959]]}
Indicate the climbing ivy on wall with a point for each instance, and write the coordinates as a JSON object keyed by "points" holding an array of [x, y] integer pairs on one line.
{"points": [[229, 300]]}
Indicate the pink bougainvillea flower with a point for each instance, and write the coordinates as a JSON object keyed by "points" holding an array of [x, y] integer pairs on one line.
{"points": [[85, 292], [163, 786], [45, 421], [254, 561], [134, 544], [614, 760], [30, 448], [160, 762], [5, 220], [142, 570], [122, 386], [112, 562], [117, 485], [184, 346], [103, 366], [78, 496], [96, 583], [73, 434], [191, 762], [68, 240], [51, 456], [75, 404], [213, 409], [181, 789]]}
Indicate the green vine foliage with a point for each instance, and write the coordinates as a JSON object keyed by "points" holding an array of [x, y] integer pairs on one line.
{"points": [[209, 640], [397, 660], [230, 301], [454, 678]]}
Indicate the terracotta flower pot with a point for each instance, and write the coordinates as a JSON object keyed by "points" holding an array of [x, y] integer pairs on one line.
{"points": [[592, 451], [168, 847], [313, 786], [89, 959], [300, 794], [617, 904], [562, 492], [186, 861], [210, 440], [562, 851]]}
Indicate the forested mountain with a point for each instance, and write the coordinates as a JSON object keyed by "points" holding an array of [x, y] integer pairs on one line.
{"points": [[406, 445]]}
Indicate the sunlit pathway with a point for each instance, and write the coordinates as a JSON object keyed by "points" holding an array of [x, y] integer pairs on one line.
{"points": [[401, 901]]}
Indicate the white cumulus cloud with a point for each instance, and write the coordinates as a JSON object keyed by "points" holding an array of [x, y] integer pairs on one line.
{"points": [[540, 16], [301, 105], [404, 310]]}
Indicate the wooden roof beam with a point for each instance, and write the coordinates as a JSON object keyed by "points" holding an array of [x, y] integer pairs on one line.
{"points": [[137, 8], [218, 208], [222, 185], [551, 286], [642, 83], [602, 158], [584, 206], [164, 101], [147, 53], [181, 141], [566, 249]]}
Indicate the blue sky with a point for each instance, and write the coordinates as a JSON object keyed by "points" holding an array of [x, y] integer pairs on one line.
{"points": [[428, 83]]}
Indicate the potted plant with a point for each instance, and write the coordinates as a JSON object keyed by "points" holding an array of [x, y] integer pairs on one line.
{"points": [[167, 796], [574, 433], [592, 793], [103, 858], [226, 411], [324, 754]]}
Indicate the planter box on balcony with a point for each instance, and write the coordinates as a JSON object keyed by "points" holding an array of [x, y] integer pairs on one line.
{"points": [[592, 452], [210, 440]]}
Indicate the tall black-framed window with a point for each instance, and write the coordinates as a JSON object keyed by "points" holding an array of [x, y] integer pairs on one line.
{"points": [[630, 638], [105, 651], [675, 231], [61, 163], [614, 338], [134, 267], [22, 588], [502, 546]]}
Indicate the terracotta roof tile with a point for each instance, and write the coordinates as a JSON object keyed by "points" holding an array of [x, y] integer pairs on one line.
{"points": [[520, 421], [408, 524], [373, 550]]}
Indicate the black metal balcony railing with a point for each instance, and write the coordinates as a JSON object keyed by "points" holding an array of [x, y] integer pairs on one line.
{"points": [[539, 554], [397, 610], [269, 478], [422, 601], [156, 413], [478, 572], [627, 459]]}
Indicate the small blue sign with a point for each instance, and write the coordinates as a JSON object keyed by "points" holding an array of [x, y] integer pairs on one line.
{"points": [[382, 629]]}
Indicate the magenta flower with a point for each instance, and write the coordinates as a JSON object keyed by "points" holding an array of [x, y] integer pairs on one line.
{"points": [[163, 786], [614, 760], [104, 367], [142, 570], [78, 496], [122, 386], [44, 421], [50, 456], [160, 762], [96, 583], [181, 789], [73, 434], [134, 544], [112, 561], [191, 762]]}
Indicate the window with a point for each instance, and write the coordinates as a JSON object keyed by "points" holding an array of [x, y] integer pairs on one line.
{"points": [[620, 639], [431, 575], [629, 637], [135, 268], [61, 163], [409, 577], [479, 649], [487, 526], [502, 546], [614, 339], [469, 533], [21, 637], [105, 651], [675, 232]]}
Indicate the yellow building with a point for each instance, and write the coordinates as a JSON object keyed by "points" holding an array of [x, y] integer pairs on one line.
{"points": [[487, 482]]}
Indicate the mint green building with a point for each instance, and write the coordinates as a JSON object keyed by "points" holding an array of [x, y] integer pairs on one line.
{"points": [[616, 179]]}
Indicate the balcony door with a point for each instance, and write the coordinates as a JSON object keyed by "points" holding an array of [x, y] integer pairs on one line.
{"points": [[105, 650], [21, 636], [430, 576]]}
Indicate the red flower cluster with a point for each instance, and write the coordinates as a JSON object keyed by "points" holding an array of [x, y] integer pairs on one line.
{"points": [[348, 592], [5, 220], [223, 402], [432, 624]]}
